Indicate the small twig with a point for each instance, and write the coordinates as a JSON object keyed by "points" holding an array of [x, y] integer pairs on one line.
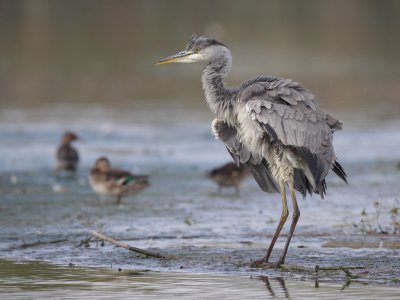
{"points": [[38, 243], [126, 246], [318, 268], [285, 267], [85, 242], [348, 274], [347, 284]]}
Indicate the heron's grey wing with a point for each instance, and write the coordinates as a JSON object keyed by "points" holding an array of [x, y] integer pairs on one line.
{"points": [[298, 126], [287, 112], [240, 154], [273, 90]]}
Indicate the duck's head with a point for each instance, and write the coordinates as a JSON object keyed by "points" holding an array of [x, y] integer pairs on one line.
{"points": [[103, 164], [69, 137]]}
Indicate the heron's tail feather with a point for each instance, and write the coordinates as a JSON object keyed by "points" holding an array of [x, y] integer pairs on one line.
{"points": [[338, 169], [301, 183], [321, 189], [263, 176]]}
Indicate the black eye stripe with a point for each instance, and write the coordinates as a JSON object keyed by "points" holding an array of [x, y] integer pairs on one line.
{"points": [[201, 43]]}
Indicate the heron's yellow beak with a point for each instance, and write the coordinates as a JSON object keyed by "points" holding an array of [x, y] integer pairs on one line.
{"points": [[179, 57]]}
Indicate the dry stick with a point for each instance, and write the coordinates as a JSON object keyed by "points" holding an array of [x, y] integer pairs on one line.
{"points": [[38, 243], [287, 267], [126, 246], [347, 272], [318, 268], [85, 242]]}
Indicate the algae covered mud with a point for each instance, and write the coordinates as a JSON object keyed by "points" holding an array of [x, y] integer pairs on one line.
{"points": [[210, 237]]}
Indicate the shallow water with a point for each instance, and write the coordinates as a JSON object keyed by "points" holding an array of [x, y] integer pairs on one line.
{"points": [[211, 236], [39, 280]]}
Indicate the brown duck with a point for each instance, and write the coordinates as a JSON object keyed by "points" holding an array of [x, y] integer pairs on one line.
{"points": [[107, 181], [229, 175], [66, 155]]}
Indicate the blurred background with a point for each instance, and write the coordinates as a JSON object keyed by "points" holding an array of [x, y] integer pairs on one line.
{"points": [[102, 53]]}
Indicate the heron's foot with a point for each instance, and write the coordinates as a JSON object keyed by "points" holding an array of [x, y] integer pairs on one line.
{"points": [[259, 263], [280, 262], [216, 126], [262, 264]]}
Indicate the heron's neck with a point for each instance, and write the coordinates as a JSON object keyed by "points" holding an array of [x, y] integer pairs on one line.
{"points": [[219, 98]]}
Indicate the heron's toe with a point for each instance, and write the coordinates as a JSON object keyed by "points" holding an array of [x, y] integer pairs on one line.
{"points": [[259, 263]]}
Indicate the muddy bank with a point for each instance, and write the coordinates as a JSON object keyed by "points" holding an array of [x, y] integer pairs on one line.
{"points": [[366, 241]]}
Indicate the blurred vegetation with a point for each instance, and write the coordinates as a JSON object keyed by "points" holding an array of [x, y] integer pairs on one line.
{"points": [[99, 51], [372, 223]]}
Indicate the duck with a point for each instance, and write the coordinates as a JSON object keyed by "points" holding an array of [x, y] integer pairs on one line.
{"points": [[229, 174], [66, 155], [115, 182]]}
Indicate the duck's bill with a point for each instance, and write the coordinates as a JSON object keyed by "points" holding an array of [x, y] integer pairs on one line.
{"points": [[179, 57]]}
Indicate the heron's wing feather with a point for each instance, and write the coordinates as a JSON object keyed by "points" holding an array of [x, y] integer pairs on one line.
{"points": [[276, 90], [286, 111], [263, 177], [256, 164], [260, 170], [298, 125]]}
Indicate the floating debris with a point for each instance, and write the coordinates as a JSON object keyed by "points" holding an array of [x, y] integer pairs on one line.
{"points": [[57, 188], [14, 179]]}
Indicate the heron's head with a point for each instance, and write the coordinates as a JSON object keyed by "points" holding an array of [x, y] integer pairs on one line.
{"points": [[103, 164], [198, 49]]}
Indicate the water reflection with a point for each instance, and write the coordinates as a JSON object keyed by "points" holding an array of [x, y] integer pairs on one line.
{"points": [[39, 280], [284, 288], [276, 292]]}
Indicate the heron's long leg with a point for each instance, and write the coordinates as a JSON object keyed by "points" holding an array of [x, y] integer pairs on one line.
{"points": [[295, 218], [284, 215], [282, 221]]}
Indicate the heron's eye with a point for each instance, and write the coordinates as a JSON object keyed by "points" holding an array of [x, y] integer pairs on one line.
{"points": [[196, 50]]}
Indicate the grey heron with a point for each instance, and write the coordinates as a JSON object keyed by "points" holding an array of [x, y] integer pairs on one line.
{"points": [[270, 124]]}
